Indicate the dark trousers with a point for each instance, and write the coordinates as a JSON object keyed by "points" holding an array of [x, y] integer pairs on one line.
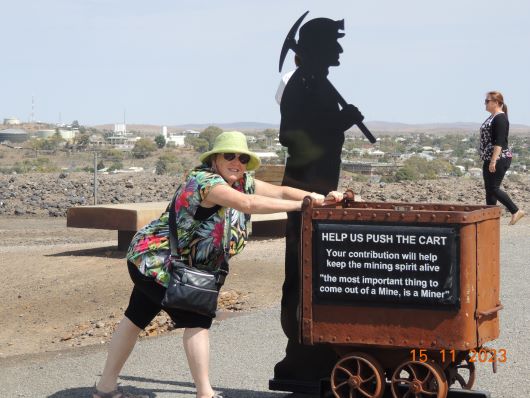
{"points": [[301, 362], [492, 184]]}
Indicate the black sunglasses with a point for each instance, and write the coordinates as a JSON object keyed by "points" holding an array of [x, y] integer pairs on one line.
{"points": [[243, 157], [487, 100]]}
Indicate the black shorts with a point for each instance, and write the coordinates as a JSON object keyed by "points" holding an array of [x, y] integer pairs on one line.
{"points": [[145, 300]]}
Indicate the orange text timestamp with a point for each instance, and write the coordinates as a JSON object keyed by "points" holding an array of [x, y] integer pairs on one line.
{"points": [[489, 355]]}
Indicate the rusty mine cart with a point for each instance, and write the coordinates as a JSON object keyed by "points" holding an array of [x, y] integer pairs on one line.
{"points": [[406, 294]]}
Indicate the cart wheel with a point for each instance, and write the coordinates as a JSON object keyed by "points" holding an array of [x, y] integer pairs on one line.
{"points": [[463, 373], [414, 379], [358, 375]]}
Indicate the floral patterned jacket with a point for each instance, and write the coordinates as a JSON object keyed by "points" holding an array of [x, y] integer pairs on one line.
{"points": [[202, 236]]}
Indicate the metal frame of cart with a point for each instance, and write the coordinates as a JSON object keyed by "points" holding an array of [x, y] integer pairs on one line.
{"points": [[420, 351]]}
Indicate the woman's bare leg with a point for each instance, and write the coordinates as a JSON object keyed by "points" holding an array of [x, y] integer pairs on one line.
{"points": [[120, 347], [197, 347]]}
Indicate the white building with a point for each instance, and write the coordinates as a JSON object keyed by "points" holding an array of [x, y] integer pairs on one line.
{"points": [[174, 139], [67, 135], [11, 121]]}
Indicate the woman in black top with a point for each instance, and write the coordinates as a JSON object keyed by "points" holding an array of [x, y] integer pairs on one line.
{"points": [[495, 153]]}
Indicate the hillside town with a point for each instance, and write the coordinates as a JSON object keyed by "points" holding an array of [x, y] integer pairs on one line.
{"points": [[121, 148]]}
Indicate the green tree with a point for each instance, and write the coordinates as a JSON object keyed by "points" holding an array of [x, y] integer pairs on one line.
{"points": [[270, 136], [112, 154], [161, 167], [143, 148], [116, 165], [198, 144], [160, 141], [209, 134], [82, 140]]}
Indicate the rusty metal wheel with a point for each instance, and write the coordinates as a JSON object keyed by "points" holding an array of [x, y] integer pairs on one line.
{"points": [[463, 373], [414, 379], [358, 375]]}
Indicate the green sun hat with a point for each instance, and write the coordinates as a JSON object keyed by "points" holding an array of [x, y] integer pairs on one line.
{"points": [[232, 142]]}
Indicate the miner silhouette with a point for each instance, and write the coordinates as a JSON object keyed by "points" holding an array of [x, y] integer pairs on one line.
{"points": [[312, 128]]}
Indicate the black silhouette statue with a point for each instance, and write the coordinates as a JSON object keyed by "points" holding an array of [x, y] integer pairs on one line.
{"points": [[312, 128]]}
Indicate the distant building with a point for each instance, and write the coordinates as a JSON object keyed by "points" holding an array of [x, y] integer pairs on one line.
{"points": [[377, 153], [173, 139], [268, 157], [13, 135], [191, 132], [120, 129], [120, 137], [369, 168], [11, 121], [67, 135]]}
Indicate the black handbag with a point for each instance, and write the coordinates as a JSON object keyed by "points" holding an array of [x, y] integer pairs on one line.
{"points": [[189, 288]]}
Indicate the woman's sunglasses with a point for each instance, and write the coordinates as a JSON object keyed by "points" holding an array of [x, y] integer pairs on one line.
{"points": [[243, 157]]}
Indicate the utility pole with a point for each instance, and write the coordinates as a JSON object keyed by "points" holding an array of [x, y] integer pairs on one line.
{"points": [[95, 178]]}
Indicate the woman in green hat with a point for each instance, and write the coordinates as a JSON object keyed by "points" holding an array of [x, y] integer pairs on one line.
{"points": [[212, 207]]}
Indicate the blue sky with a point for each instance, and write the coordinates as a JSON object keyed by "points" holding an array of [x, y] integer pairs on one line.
{"points": [[176, 62]]}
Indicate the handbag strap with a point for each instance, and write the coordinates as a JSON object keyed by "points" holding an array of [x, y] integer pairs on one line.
{"points": [[173, 240]]}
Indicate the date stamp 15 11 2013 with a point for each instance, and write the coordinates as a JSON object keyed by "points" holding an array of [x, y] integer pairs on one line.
{"points": [[482, 355]]}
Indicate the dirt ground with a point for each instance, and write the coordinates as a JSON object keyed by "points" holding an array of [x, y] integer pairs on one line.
{"points": [[67, 287]]}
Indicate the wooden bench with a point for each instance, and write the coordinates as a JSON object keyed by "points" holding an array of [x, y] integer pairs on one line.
{"points": [[127, 218], [271, 173]]}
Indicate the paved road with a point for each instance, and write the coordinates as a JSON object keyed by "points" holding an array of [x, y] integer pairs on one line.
{"points": [[245, 348]]}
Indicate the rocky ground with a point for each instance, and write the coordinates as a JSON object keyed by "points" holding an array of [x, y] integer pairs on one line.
{"points": [[52, 194]]}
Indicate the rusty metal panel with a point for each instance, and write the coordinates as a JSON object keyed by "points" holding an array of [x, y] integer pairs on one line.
{"points": [[402, 327], [306, 312], [488, 280]]}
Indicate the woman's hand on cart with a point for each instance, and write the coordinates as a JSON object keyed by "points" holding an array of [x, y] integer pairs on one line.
{"points": [[330, 198]]}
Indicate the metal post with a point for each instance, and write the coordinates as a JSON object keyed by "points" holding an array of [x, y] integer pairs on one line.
{"points": [[95, 178]]}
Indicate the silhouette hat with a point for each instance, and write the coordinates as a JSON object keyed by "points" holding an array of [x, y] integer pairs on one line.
{"points": [[232, 142], [320, 30]]}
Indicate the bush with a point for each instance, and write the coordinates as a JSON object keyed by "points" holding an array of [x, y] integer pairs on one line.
{"points": [[417, 168], [143, 148], [39, 165]]}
